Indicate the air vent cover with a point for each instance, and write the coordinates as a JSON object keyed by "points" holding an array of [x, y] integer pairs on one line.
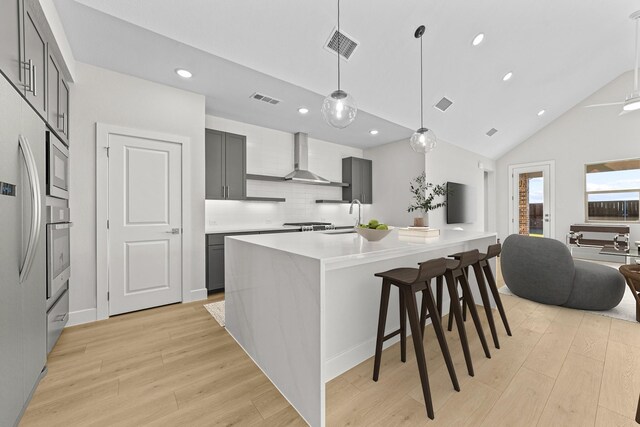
{"points": [[492, 132], [265, 98], [443, 104], [348, 44]]}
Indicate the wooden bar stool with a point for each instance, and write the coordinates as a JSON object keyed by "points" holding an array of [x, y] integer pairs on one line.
{"points": [[456, 275], [409, 282], [631, 275], [482, 269]]}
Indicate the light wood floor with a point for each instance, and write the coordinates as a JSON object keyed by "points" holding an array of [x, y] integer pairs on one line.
{"points": [[175, 366]]}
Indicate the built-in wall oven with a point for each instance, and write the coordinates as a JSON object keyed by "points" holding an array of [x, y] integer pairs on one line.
{"points": [[57, 167], [58, 249], [58, 268]]}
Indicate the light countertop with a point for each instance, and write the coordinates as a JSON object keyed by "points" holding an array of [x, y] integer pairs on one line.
{"points": [[222, 229], [332, 247]]}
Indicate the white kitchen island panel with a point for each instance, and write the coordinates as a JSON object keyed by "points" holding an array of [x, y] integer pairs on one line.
{"points": [[273, 305], [305, 306]]}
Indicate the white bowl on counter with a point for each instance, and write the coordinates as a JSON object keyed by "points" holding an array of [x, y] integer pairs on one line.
{"points": [[373, 235]]}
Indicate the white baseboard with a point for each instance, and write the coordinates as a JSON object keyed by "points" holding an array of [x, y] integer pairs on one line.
{"points": [[82, 316], [198, 295]]}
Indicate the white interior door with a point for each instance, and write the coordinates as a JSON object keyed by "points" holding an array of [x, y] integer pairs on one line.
{"points": [[532, 200], [145, 223]]}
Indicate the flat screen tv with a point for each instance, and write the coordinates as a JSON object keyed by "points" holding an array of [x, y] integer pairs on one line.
{"points": [[461, 203]]}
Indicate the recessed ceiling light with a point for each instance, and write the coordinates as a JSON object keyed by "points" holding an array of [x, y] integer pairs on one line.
{"points": [[478, 39], [373, 131], [303, 110], [507, 76], [185, 74], [541, 112]]}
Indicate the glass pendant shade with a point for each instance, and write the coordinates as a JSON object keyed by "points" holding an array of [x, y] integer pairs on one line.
{"points": [[339, 109], [423, 140]]}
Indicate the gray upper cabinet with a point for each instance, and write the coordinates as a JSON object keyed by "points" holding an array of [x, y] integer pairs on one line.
{"points": [[10, 40], [57, 99], [63, 109], [35, 59], [358, 173], [226, 165], [235, 166], [53, 93]]}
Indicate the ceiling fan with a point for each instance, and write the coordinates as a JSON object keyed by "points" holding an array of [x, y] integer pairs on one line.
{"points": [[632, 101]]}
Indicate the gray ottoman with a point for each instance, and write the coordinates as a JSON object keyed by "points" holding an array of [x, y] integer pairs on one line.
{"points": [[543, 270]]}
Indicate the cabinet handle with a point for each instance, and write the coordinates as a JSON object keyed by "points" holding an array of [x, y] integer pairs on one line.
{"points": [[227, 191], [64, 124], [29, 68], [35, 80], [224, 191]]}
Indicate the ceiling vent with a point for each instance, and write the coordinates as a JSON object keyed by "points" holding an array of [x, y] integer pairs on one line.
{"points": [[265, 98], [443, 104], [347, 44], [492, 132]]}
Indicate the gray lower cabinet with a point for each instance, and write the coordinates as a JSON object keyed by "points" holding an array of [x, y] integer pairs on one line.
{"points": [[215, 257], [10, 40], [358, 173], [226, 165]]}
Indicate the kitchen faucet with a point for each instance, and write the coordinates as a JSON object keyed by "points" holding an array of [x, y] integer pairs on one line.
{"points": [[359, 210]]}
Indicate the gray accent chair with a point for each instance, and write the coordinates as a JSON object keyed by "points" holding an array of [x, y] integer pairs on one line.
{"points": [[543, 270]]}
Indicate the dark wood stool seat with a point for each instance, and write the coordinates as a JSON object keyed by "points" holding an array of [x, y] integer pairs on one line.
{"points": [[410, 281], [482, 269]]}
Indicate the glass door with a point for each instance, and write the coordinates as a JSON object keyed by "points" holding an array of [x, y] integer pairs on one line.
{"points": [[531, 215]]}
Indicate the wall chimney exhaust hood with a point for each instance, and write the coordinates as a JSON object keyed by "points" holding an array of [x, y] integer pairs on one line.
{"points": [[301, 171]]}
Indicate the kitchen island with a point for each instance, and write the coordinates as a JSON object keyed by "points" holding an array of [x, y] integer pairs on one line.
{"points": [[304, 306]]}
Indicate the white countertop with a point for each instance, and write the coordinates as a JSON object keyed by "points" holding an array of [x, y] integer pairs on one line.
{"points": [[220, 229], [338, 247]]}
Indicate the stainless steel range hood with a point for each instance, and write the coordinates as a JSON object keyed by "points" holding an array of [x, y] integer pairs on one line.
{"points": [[301, 171]]}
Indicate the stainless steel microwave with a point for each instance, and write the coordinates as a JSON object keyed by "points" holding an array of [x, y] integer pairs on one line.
{"points": [[57, 168]]}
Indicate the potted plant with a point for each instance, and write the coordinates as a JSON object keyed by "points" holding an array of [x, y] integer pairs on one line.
{"points": [[424, 199]]}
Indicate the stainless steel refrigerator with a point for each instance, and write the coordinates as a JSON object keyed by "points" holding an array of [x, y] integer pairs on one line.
{"points": [[22, 253]]}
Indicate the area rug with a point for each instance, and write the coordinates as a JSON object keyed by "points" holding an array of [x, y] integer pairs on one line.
{"points": [[626, 310], [216, 309]]}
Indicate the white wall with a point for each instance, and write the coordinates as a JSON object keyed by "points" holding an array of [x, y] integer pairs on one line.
{"points": [[580, 136], [395, 165], [270, 152], [99, 95]]}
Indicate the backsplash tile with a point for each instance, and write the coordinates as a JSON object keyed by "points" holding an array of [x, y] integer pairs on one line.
{"points": [[300, 206]]}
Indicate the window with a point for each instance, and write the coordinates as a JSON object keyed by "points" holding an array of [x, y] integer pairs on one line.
{"points": [[613, 191]]}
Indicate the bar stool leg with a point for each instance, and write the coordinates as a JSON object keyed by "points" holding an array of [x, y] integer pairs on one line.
{"points": [[451, 311], [412, 308], [485, 302], [439, 293], [496, 295], [468, 298], [464, 307], [453, 292], [427, 295], [382, 320], [403, 327], [423, 312]]}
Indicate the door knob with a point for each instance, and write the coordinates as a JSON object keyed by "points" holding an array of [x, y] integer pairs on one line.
{"points": [[173, 231]]}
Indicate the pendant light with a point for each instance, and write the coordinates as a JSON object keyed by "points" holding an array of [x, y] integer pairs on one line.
{"points": [[423, 140], [339, 109]]}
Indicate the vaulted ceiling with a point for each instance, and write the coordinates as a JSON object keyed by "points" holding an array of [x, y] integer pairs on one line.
{"points": [[559, 51]]}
